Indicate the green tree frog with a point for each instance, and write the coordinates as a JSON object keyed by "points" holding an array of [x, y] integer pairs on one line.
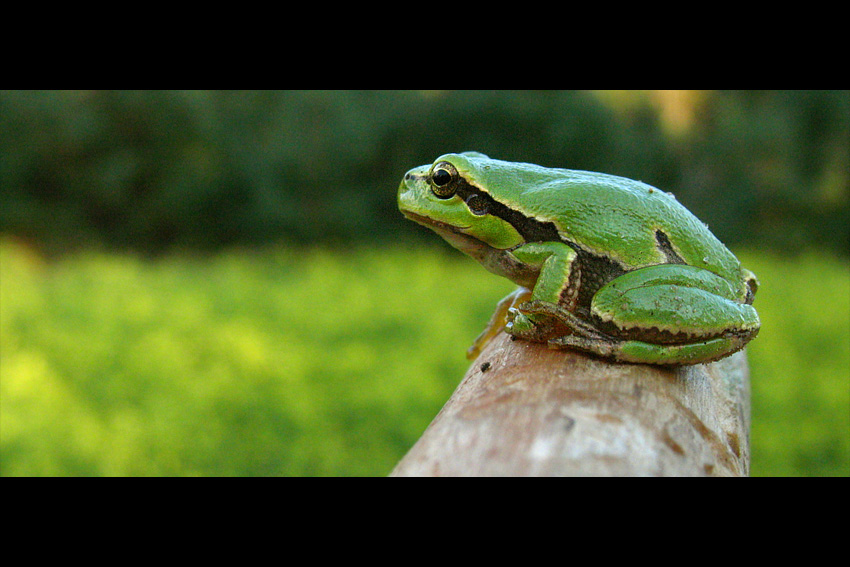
{"points": [[606, 265]]}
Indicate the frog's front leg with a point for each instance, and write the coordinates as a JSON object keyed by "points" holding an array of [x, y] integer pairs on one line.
{"points": [[557, 284]]}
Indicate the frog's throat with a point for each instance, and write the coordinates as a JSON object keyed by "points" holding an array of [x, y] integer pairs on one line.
{"points": [[495, 260], [454, 235]]}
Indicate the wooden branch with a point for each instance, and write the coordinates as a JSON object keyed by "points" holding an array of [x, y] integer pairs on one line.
{"points": [[526, 410]]}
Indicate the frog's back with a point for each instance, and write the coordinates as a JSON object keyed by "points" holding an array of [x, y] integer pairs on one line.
{"points": [[628, 221]]}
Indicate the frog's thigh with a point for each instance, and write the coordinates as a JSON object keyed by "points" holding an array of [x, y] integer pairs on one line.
{"points": [[643, 302]]}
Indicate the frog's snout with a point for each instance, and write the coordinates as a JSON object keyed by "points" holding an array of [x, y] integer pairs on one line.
{"points": [[412, 182], [407, 192]]}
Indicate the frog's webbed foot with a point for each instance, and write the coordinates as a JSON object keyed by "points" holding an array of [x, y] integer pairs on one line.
{"points": [[557, 316], [564, 329], [544, 321], [531, 325]]}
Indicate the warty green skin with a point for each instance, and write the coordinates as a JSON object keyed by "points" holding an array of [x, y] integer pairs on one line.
{"points": [[616, 267]]}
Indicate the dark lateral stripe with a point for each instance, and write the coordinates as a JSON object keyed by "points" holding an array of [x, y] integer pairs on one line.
{"points": [[591, 273], [531, 229], [666, 248]]}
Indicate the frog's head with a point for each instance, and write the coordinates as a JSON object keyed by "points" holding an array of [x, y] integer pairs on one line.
{"points": [[448, 197]]}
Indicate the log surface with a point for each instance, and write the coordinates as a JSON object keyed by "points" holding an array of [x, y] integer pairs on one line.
{"points": [[526, 410]]}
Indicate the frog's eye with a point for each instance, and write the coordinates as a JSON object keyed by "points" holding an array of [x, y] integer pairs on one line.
{"points": [[444, 180]]}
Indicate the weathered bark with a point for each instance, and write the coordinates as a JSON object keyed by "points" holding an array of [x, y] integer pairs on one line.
{"points": [[526, 410]]}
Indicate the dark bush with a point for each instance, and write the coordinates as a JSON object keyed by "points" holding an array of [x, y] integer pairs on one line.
{"points": [[154, 171]]}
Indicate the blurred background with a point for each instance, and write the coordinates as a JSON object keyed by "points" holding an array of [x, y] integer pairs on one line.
{"points": [[220, 283]]}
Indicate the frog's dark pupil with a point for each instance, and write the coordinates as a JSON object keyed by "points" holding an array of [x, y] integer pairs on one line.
{"points": [[441, 177]]}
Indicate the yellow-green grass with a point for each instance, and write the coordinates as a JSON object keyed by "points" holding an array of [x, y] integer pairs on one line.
{"points": [[800, 366], [327, 362]]}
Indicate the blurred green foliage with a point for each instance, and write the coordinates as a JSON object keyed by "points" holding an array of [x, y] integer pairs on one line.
{"points": [[240, 365], [275, 363], [153, 171], [800, 366]]}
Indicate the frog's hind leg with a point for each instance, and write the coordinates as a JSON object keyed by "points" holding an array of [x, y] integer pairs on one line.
{"points": [[676, 309], [657, 315], [589, 339], [648, 353]]}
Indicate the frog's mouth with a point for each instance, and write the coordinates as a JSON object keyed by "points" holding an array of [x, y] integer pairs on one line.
{"points": [[454, 235]]}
